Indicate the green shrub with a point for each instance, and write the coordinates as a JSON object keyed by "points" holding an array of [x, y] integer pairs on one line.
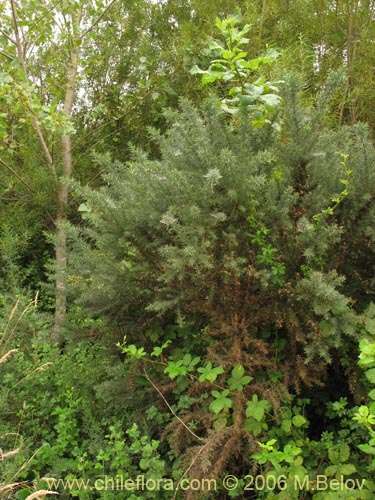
{"points": [[243, 252]]}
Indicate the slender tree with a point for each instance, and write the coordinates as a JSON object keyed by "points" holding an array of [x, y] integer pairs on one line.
{"points": [[42, 54]]}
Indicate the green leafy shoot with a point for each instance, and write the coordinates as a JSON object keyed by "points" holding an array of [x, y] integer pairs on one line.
{"points": [[229, 64], [221, 401], [158, 350], [182, 366], [257, 409], [238, 379], [209, 373], [132, 350]]}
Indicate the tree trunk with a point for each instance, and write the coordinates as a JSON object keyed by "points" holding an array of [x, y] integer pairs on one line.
{"points": [[62, 202]]}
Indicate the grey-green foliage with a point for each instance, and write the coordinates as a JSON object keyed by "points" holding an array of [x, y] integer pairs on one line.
{"points": [[173, 235], [166, 222]]}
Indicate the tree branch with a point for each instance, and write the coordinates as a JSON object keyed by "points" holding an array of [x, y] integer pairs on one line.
{"points": [[34, 121], [8, 37], [171, 410], [5, 54], [17, 176], [98, 19], [43, 17]]}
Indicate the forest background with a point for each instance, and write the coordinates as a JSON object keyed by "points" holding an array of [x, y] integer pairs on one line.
{"points": [[186, 244]]}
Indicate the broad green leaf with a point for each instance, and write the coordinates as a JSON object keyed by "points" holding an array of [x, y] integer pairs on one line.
{"points": [[370, 375], [234, 90], [366, 448], [339, 454], [239, 57], [134, 352], [298, 471], [238, 379], [22, 494], [227, 76], [291, 451], [209, 373], [252, 64], [196, 70], [210, 77], [272, 100], [228, 54], [221, 401], [299, 420], [84, 208], [238, 371], [159, 349], [186, 360], [256, 408], [220, 422], [331, 470], [286, 425], [175, 369], [258, 413], [348, 469], [219, 23], [214, 45], [5, 78], [247, 99], [253, 426]]}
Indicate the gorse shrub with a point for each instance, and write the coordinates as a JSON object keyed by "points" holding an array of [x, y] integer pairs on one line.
{"points": [[225, 225], [244, 250]]}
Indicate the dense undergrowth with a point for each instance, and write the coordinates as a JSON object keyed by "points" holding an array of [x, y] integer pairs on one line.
{"points": [[223, 322]]}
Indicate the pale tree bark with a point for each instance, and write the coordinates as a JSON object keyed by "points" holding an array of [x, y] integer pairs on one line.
{"points": [[62, 202]]}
